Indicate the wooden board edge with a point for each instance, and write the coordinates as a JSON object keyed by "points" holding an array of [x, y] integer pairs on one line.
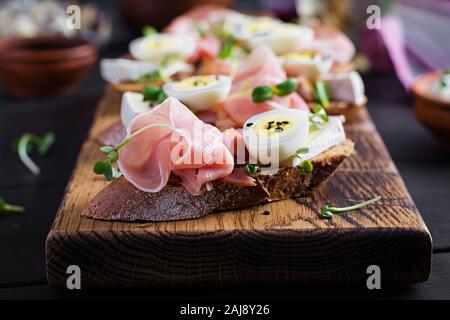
{"points": [[229, 258]]}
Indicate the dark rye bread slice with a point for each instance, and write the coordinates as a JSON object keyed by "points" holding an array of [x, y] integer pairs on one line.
{"points": [[120, 200]]}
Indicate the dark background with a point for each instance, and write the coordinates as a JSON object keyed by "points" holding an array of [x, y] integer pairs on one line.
{"points": [[423, 164]]}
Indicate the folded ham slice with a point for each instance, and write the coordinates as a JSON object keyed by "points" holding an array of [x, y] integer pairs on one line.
{"points": [[187, 24], [262, 67], [178, 143]]}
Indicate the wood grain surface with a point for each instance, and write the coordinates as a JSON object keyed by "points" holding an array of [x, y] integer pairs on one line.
{"points": [[292, 245]]}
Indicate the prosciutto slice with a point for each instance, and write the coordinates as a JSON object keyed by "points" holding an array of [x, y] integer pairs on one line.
{"points": [[178, 143], [207, 46], [261, 68]]}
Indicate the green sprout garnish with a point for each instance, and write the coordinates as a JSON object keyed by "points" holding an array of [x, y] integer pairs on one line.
{"points": [[150, 76], [319, 117], [328, 211], [5, 207], [154, 94], [149, 31], [227, 48], [264, 93], [306, 166], [444, 82], [106, 168], [261, 94], [321, 93], [25, 145], [252, 169]]}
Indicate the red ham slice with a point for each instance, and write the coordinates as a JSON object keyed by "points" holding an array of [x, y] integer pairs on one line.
{"points": [[261, 68], [172, 146], [208, 46]]}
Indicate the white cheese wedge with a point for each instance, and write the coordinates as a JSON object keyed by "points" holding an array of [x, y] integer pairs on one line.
{"points": [[345, 86], [119, 70], [321, 140], [132, 104]]}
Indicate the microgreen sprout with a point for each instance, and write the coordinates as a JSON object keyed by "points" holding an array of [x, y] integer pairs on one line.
{"points": [[149, 31], [227, 48], [328, 211], [106, 167], [321, 93], [154, 94], [252, 169], [264, 93], [318, 117], [25, 145], [150, 76], [445, 79], [5, 207], [306, 166]]}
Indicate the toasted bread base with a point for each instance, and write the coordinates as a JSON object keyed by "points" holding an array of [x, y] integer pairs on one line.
{"points": [[120, 200]]}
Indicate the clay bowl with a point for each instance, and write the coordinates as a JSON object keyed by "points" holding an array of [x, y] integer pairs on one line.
{"points": [[45, 66], [432, 111]]}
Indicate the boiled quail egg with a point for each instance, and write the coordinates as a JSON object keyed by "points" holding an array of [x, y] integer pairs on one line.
{"points": [[280, 37], [159, 47], [307, 63], [200, 93], [274, 136]]}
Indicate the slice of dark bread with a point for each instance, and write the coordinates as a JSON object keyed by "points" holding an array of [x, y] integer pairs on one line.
{"points": [[120, 200]]}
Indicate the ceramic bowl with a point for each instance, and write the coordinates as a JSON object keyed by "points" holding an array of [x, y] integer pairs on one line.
{"points": [[431, 110], [45, 66]]}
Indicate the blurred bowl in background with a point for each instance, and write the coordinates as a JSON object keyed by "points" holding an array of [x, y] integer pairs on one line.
{"points": [[431, 110], [139, 13], [45, 66]]}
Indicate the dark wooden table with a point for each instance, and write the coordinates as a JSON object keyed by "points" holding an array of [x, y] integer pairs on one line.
{"points": [[424, 166]]}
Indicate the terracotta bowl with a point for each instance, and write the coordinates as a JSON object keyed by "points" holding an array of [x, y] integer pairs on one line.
{"points": [[432, 111], [45, 66]]}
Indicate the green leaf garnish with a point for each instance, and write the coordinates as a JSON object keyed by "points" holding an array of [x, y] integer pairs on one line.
{"points": [[319, 117], [321, 93], [261, 94], [444, 81], [264, 93], [227, 48], [26, 144], [328, 211], [150, 76], [154, 94], [5, 207], [300, 151], [285, 88], [149, 31], [252, 169], [306, 166]]}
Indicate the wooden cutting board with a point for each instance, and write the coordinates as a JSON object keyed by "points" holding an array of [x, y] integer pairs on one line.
{"points": [[292, 245]]}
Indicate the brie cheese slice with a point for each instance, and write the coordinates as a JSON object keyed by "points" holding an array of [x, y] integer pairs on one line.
{"points": [[132, 104]]}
